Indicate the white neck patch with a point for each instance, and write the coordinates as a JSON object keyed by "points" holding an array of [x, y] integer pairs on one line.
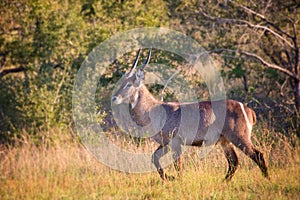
{"points": [[133, 104]]}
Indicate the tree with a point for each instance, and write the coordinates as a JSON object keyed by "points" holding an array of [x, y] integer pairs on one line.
{"points": [[264, 33], [279, 38], [42, 45]]}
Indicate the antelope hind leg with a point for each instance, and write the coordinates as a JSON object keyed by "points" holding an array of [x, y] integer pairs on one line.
{"points": [[248, 148], [231, 157]]}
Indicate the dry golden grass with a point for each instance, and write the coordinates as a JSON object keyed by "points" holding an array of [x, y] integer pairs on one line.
{"points": [[65, 170]]}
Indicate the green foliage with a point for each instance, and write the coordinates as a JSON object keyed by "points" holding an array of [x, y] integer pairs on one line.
{"points": [[263, 28], [49, 40], [46, 42]]}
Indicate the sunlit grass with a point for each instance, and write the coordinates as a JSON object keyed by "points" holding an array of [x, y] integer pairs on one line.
{"points": [[67, 171]]}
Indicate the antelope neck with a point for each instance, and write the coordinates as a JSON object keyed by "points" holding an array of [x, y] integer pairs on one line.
{"points": [[143, 105]]}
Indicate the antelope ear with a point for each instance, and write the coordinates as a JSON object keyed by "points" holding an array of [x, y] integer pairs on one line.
{"points": [[139, 77]]}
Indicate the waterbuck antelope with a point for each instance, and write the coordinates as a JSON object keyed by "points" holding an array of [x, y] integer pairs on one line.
{"points": [[233, 129]]}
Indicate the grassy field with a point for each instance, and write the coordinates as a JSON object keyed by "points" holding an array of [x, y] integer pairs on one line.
{"points": [[65, 170]]}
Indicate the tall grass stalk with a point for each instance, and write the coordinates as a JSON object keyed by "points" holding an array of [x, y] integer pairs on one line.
{"points": [[64, 169]]}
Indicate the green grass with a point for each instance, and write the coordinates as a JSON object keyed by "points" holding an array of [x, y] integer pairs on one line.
{"points": [[67, 171]]}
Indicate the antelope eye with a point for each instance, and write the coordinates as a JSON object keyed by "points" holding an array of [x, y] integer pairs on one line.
{"points": [[127, 85]]}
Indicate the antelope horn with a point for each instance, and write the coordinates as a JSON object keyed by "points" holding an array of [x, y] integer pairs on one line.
{"points": [[134, 64], [147, 60]]}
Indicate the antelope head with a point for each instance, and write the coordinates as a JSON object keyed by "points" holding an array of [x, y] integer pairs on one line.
{"points": [[132, 82]]}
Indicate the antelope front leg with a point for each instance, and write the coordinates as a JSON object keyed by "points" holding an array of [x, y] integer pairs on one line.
{"points": [[177, 151], [178, 165], [160, 152]]}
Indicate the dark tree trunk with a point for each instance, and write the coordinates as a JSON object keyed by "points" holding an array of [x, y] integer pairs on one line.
{"points": [[297, 96]]}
